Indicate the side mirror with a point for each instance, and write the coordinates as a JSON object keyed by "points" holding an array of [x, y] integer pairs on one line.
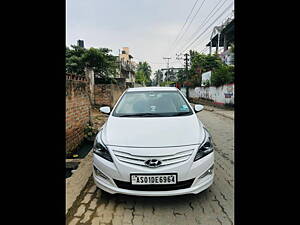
{"points": [[198, 108], [105, 109]]}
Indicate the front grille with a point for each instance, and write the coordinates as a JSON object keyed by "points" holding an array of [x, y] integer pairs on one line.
{"points": [[161, 187], [165, 159]]}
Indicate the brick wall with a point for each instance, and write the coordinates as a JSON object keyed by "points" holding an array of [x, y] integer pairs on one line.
{"points": [[77, 110], [102, 93], [78, 105], [107, 94]]}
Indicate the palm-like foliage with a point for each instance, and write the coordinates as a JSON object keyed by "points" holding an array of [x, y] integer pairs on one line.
{"points": [[158, 76], [143, 73]]}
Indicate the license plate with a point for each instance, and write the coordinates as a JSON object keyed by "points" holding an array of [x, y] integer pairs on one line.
{"points": [[145, 179]]}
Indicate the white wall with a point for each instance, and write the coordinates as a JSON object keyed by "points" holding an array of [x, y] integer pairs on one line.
{"points": [[223, 94]]}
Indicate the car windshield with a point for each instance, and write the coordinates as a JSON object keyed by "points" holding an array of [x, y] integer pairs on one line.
{"points": [[152, 104]]}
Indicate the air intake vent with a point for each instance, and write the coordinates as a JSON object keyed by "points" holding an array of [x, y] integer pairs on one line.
{"points": [[163, 187]]}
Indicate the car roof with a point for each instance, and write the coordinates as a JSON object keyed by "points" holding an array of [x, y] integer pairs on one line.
{"points": [[152, 89]]}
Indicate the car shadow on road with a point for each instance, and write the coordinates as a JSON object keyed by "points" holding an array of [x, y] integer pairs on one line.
{"points": [[166, 201]]}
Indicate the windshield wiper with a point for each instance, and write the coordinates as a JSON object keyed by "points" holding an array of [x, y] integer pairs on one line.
{"points": [[142, 115], [180, 114]]}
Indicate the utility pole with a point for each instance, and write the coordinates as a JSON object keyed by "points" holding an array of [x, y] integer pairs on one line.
{"points": [[120, 63], [157, 78], [186, 73], [167, 63]]}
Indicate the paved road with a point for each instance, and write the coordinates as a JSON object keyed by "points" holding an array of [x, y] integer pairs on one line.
{"points": [[213, 206]]}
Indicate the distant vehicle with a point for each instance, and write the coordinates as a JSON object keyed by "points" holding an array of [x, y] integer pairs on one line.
{"points": [[153, 144]]}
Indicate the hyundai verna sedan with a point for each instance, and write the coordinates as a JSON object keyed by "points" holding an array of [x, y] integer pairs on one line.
{"points": [[153, 144]]}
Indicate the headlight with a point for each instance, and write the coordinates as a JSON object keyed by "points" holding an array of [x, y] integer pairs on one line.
{"points": [[100, 149], [206, 147]]}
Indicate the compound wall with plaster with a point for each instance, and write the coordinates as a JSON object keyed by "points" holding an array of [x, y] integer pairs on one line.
{"points": [[219, 95]]}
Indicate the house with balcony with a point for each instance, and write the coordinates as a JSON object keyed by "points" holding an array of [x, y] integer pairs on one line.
{"points": [[127, 67], [222, 39]]}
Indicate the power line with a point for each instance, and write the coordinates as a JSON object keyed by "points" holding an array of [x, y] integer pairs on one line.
{"points": [[209, 33], [209, 16], [212, 25], [203, 40], [204, 49], [228, 7], [184, 24], [192, 20], [207, 19]]}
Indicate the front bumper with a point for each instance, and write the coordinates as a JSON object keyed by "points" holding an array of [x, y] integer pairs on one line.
{"points": [[194, 189], [185, 171]]}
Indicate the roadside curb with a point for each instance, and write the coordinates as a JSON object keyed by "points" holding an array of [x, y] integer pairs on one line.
{"points": [[210, 109], [76, 183], [229, 117]]}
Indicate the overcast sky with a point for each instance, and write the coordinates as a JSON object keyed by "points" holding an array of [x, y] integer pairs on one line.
{"points": [[147, 27]]}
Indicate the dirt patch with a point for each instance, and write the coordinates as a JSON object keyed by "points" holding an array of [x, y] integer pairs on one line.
{"points": [[98, 118]]}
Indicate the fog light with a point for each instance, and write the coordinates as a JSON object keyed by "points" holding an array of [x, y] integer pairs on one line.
{"points": [[99, 173], [208, 172]]}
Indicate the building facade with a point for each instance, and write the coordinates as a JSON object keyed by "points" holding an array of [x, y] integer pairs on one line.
{"points": [[222, 39], [127, 67]]}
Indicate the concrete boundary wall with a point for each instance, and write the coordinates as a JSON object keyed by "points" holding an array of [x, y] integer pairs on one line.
{"points": [[219, 95]]}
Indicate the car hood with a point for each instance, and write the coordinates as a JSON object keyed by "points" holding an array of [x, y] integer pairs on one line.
{"points": [[153, 131]]}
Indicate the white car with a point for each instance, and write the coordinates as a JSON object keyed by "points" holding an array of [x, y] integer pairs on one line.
{"points": [[153, 144]]}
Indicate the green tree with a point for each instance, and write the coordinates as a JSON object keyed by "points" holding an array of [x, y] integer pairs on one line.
{"points": [[201, 63], [104, 64], [143, 74], [222, 75], [141, 78], [158, 77], [181, 76], [204, 62], [74, 63]]}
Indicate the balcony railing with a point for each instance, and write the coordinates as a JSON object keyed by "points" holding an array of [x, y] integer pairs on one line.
{"points": [[127, 66]]}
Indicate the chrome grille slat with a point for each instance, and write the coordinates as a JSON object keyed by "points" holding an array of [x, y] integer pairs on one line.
{"points": [[152, 156], [166, 159], [176, 160], [175, 157], [133, 163], [130, 158]]}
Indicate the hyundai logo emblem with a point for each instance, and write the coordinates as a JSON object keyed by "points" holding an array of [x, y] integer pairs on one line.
{"points": [[153, 163]]}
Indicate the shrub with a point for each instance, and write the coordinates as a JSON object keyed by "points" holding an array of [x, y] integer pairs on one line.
{"points": [[222, 75], [90, 131]]}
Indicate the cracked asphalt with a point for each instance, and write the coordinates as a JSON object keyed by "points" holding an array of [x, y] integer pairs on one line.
{"points": [[213, 206]]}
